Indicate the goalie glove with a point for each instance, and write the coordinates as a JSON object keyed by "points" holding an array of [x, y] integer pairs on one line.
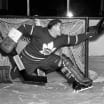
{"points": [[95, 31], [100, 26]]}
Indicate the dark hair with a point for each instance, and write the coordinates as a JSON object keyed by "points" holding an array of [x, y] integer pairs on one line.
{"points": [[53, 22]]}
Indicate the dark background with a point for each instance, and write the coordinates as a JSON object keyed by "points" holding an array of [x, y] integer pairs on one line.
{"points": [[80, 8]]}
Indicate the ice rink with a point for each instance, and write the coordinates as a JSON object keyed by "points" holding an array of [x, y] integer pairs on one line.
{"points": [[56, 91]]}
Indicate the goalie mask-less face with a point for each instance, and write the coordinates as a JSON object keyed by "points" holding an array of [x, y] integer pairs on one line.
{"points": [[56, 30]]}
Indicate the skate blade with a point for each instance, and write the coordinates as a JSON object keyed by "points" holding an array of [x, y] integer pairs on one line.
{"points": [[83, 89]]}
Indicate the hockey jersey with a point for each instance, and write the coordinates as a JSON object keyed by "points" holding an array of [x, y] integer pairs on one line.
{"points": [[42, 44]]}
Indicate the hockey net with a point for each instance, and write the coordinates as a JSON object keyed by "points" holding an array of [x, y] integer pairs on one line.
{"points": [[69, 26]]}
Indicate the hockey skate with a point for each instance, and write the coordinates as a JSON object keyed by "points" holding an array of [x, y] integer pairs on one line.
{"points": [[77, 87]]}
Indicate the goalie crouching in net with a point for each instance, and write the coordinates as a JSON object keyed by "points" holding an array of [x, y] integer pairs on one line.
{"points": [[40, 52]]}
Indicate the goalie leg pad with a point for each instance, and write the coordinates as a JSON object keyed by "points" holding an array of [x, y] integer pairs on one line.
{"points": [[76, 72], [5, 76]]}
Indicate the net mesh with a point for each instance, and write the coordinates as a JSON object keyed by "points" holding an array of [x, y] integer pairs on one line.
{"points": [[72, 26]]}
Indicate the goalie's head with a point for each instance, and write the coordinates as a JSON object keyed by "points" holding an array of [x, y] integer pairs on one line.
{"points": [[54, 27]]}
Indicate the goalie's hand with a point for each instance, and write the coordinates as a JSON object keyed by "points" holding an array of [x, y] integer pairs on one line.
{"points": [[92, 33], [100, 26], [95, 31]]}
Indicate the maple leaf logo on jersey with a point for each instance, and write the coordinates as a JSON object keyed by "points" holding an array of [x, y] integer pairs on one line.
{"points": [[47, 49]]}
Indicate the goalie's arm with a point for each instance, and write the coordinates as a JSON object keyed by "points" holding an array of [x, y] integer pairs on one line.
{"points": [[77, 39]]}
